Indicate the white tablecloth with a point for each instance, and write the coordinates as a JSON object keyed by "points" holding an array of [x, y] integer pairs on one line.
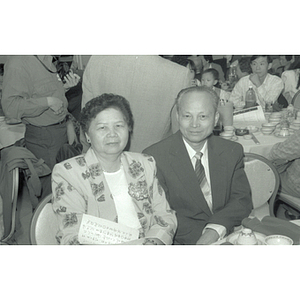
{"points": [[9, 134], [266, 141]]}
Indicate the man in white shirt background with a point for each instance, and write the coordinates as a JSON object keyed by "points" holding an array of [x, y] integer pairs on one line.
{"points": [[267, 87]]}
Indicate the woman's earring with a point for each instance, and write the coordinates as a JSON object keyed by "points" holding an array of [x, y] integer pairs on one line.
{"points": [[88, 140]]}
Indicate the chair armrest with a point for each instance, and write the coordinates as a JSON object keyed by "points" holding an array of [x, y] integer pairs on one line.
{"points": [[290, 200]]}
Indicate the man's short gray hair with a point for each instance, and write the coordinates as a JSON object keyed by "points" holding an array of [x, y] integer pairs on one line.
{"points": [[199, 89]]}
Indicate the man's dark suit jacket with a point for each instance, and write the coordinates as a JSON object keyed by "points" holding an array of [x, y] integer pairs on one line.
{"points": [[231, 196]]}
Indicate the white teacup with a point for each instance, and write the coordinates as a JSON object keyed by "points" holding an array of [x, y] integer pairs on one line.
{"points": [[278, 240]]}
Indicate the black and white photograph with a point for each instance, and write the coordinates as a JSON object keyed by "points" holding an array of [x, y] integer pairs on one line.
{"points": [[137, 139]]}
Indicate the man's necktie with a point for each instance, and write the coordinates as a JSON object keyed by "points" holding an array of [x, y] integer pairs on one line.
{"points": [[200, 173], [199, 169]]}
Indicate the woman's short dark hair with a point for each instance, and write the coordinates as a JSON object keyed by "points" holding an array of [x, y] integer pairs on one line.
{"points": [[100, 103]]}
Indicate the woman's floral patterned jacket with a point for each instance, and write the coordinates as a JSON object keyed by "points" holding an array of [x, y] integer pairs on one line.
{"points": [[79, 187]]}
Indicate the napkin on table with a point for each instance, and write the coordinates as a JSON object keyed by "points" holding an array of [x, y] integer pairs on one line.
{"points": [[271, 225]]}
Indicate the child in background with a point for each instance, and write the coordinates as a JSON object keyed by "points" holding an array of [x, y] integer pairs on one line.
{"points": [[209, 78]]}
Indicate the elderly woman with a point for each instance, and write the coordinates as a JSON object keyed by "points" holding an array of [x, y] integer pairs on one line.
{"points": [[108, 182]]}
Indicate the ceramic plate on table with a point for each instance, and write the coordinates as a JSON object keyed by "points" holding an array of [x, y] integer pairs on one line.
{"points": [[234, 236], [277, 133], [233, 138], [295, 126]]}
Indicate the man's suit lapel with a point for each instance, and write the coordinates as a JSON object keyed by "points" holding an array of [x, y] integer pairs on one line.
{"points": [[217, 171], [183, 168]]}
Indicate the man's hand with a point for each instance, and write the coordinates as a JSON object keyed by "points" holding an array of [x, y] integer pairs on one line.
{"points": [[208, 237], [71, 133], [71, 79], [144, 241], [152, 241], [56, 105], [255, 80]]}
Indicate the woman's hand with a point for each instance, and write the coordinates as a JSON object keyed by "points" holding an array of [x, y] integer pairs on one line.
{"points": [[71, 79]]}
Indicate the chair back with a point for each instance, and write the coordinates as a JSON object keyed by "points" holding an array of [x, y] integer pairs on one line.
{"points": [[44, 224], [264, 181], [10, 208], [296, 100]]}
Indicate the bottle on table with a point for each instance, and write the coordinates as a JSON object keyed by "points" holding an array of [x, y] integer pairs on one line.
{"points": [[250, 98], [232, 76]]}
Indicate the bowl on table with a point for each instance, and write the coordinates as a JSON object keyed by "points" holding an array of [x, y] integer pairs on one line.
{"points": [[277, 114], [295, 124], [240, 105], [275, 117], [229, 128], [227, 134], [278, 240], [268, 128]]}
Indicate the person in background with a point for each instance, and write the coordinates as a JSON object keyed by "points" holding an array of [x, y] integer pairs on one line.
{"points": [[209, 200], [208, 64], [291, 80], [34, 93], [287, 154], [243, 67], [151, 84], [267, 87], [286, 62], [108, 182], [197, 64], [65, 65], [210, 78]]}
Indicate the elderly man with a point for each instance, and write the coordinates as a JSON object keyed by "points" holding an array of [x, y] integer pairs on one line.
{"points": [[202, 174]]}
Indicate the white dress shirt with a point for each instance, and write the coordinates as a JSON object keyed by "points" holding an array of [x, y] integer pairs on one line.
{"points": [[221, 230], [269, 91]]}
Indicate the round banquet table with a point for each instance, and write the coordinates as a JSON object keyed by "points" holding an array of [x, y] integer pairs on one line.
{"points": [[9, 134], [266, 141]]}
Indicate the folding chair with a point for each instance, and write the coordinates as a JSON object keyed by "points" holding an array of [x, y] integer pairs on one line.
{"points": [[264, 182], [11, 208], [296, 100], [44, 225]]}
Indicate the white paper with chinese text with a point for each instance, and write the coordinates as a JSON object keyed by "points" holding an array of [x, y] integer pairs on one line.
{"points": [[99, 231], [256, 115]]}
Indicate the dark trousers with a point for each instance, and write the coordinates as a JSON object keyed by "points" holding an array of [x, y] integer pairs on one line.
{"points": [[45, 142]]}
